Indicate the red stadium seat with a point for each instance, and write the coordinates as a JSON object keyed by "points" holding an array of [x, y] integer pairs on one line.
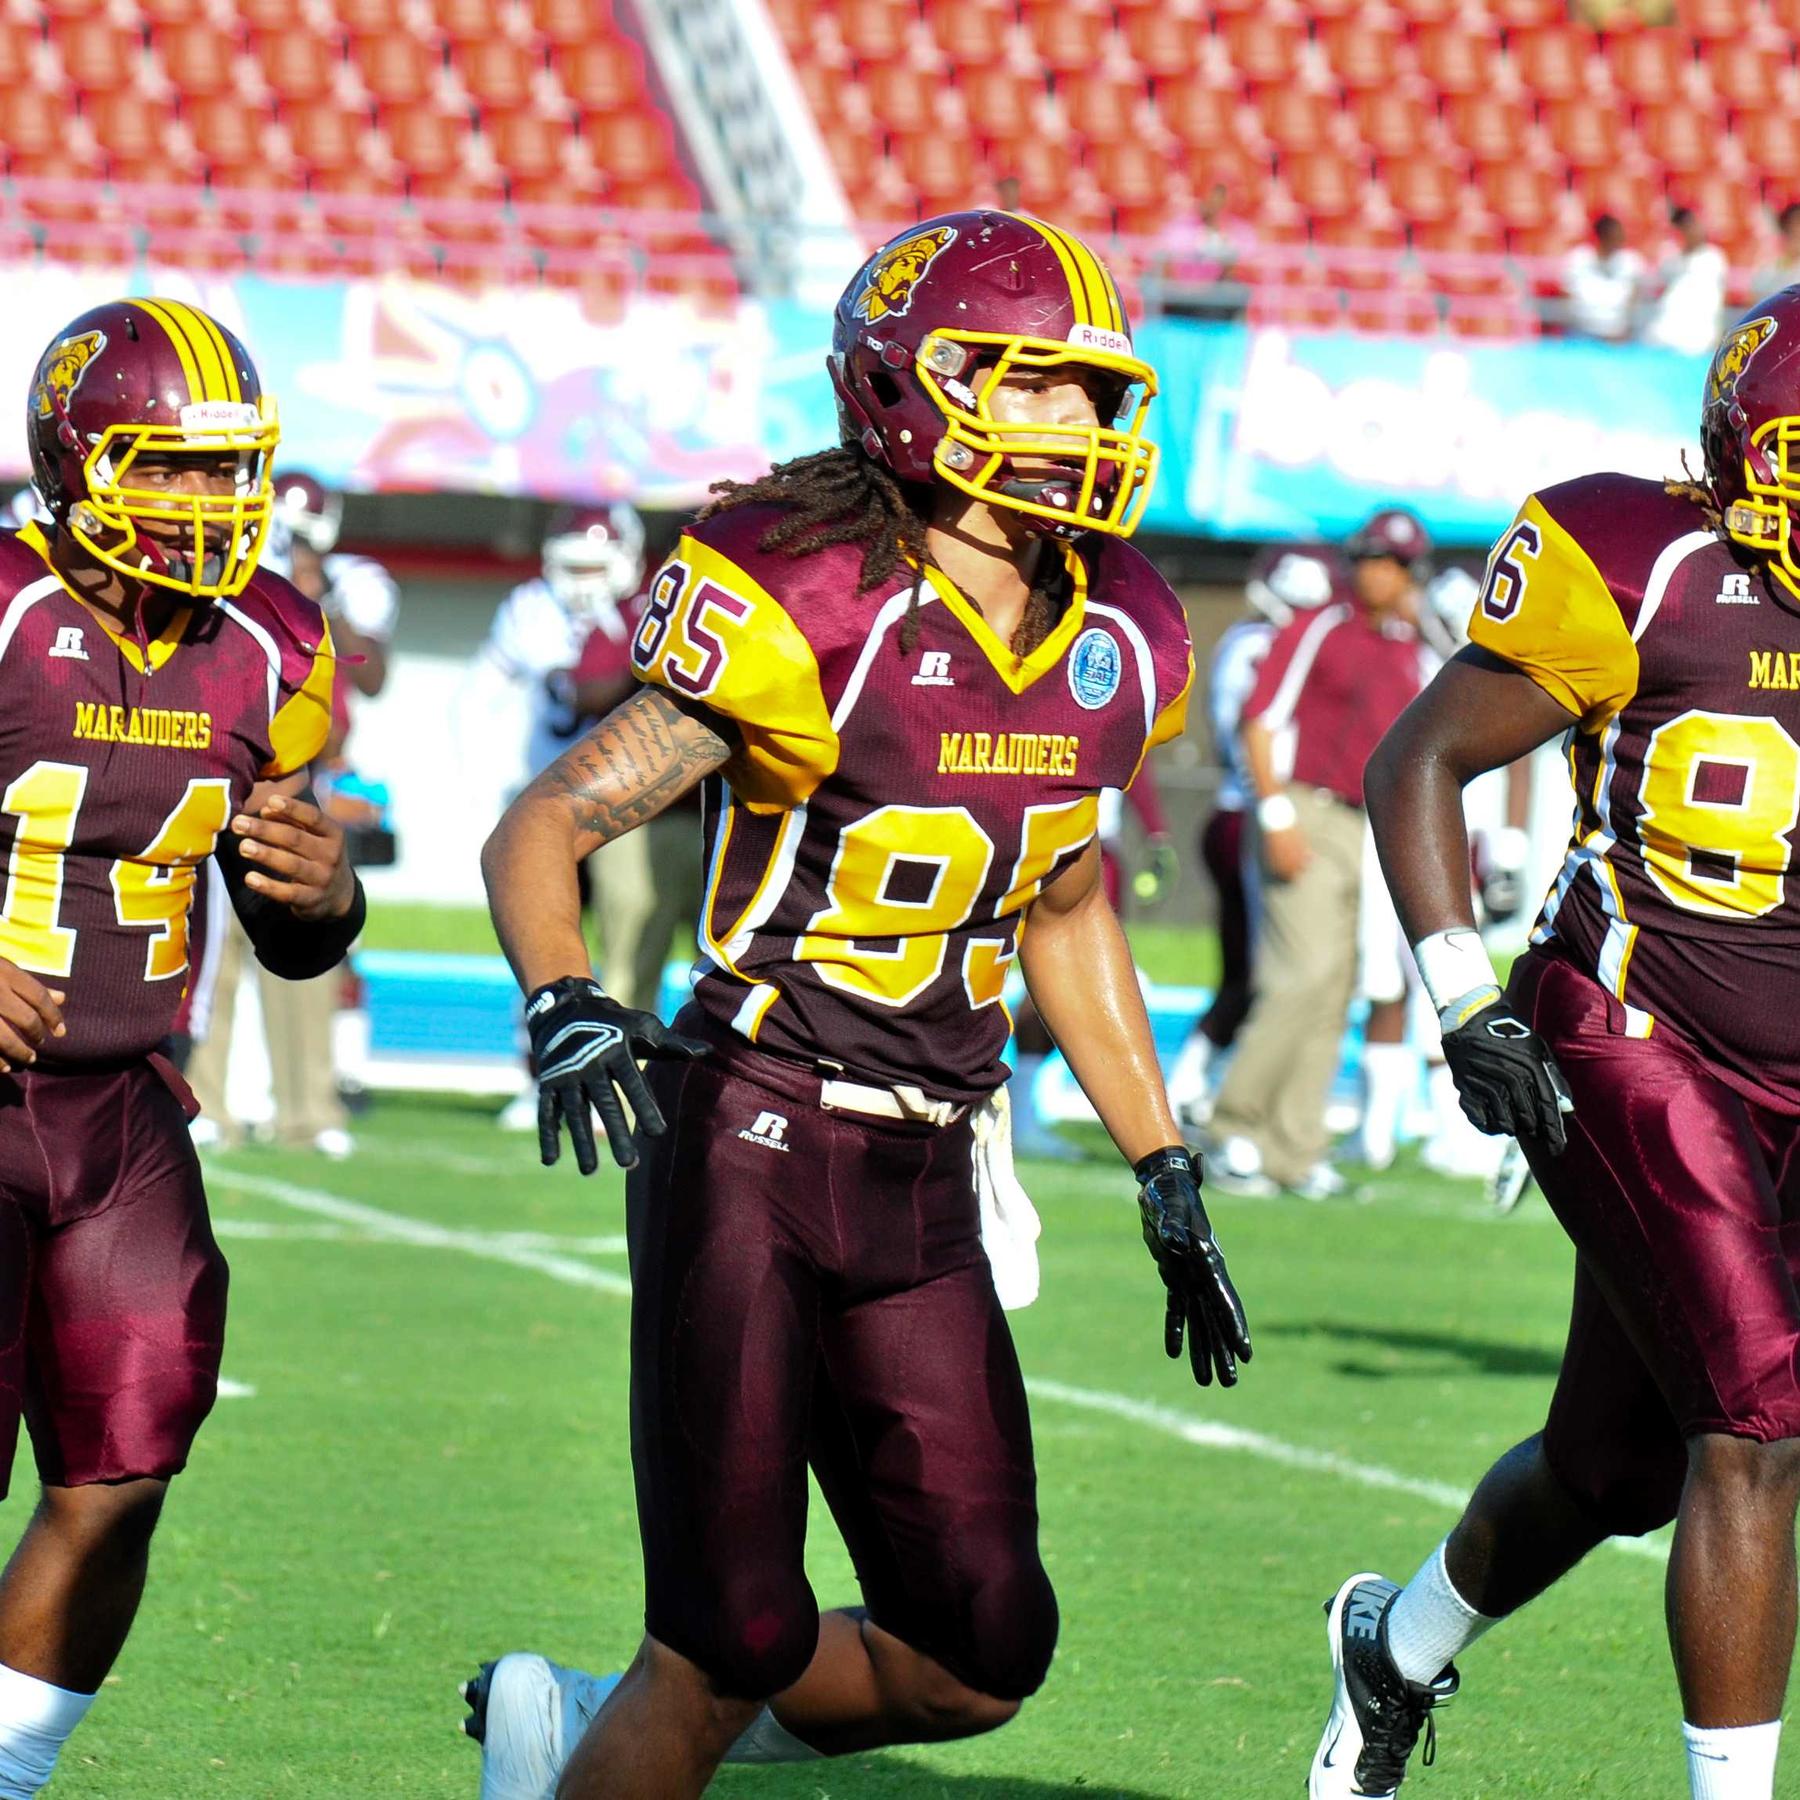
{"points": [[1492, 129], [567, 22], [1201, 116], [1264, 48], [855, 154], [326, 138], [1746, 73], [1360, 252], [1163, 43], [1367, 52], [905, 97], [1523, 15], [1716, 22], [1460, 253], [499, 74], [1294, 119], [1395, 124], [633, 146], [1102, 108], [1066, 37], [397, 70], [231, 138], [466, 21], [1045, 173], [998, 104], [1586, 136], [526, 145], [424, 141], [1521, 195], [603, 75], [972, 35], [1325, 184], [1311, 308], [1499, 316], [1650, 67], [1132, 175], [1556, 63], [130, 128], [1456, 59], [936, 168], [1632, 195], [877, 30], [1683, 139], [296, 65], [200, 58], [96, 54], [1397, 309], [1430, 12], [1771, 140], [16, 45], [1423, 189]]}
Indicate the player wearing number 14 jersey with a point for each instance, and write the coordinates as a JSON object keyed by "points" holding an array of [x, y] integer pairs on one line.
{"points": [[1646, 1052], [159, 703], [907, 666]]}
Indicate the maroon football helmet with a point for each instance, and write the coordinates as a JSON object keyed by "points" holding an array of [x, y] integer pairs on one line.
{"points": [[933, 324], [139, 380], [593, 558], [1392, 531], [310, 510], [1283, 581], [1750, 432]]}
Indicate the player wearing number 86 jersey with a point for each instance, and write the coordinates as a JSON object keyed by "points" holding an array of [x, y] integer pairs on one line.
{"points": [[1658, 626], [159, 703]]}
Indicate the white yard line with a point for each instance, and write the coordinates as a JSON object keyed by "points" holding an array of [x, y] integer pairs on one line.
{"points": [[1205, 1434], [397, 1228]]}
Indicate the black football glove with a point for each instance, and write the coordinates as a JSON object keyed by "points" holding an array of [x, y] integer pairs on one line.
{"points": [[1506, 1078], [1202, 1301], [584, 1047]]}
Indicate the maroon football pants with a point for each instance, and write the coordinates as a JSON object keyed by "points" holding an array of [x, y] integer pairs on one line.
{"points": [[112, 1290], [1683, 1201], [1222, 856], [810, 1286]]}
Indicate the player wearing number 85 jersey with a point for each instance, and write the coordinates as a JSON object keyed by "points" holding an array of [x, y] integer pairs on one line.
{"points": [[1658, 625], [159, 702], [907, 667]]}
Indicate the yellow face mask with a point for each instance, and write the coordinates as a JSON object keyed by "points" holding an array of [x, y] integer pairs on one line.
{"points": [[221, 536], [1116, 463]]}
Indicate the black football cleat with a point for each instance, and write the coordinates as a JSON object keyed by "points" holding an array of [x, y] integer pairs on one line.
{"points": [[475, 1698], [1376, 1713]]}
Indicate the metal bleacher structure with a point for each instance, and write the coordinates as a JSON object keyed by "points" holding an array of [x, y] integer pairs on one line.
{"points": [[1410, 165]]}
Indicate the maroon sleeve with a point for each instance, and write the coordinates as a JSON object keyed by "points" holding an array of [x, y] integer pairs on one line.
{"points": [[1276, 662]]}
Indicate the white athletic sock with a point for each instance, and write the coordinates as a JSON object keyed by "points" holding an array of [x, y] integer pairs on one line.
{"points": [[35, 1722], [1390, 1072], [1430, 1623], [1733, 1763], [766, 1740]]}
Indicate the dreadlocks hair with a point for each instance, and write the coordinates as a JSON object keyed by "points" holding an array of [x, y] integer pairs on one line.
{"points": [[844, 496], [1691, 488]]}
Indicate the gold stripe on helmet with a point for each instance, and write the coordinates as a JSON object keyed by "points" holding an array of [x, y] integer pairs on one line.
{"points": [[209, 348], [183, 349], [227, 361], [1093, 283], [1077, 287]]}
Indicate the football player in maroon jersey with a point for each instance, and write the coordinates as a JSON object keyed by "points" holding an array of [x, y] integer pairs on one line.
{"points": [[1645, 1053], [905, 668], [162, 701]]}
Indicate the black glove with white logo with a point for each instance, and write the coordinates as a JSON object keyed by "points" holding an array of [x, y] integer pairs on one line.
{"points": [[1506, 1078], [1202, 1301], [584, 1047]]}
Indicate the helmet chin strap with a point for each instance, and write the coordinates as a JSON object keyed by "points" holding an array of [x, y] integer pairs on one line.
{"points": [[1049, 490]]}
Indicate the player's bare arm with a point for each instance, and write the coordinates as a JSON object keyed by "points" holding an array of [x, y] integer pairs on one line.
{"points": [[1284, 846], [1078, 967], [639, 760], [1478, 714]]}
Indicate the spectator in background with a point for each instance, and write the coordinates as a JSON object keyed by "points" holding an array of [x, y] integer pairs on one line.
{"points": [[1785, 270], [1331, 684], [1692, 290], [1601, 280], [361, 601], [1281, 584], [565, 637]]}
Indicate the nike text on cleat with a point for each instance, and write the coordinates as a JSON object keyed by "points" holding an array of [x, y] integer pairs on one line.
{"points": [[528, 1714], [1376, 1713]]}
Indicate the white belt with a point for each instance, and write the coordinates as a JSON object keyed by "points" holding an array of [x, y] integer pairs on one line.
{"points": [[888, 1102]]}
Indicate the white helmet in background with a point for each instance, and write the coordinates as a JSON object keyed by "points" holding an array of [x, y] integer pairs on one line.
{"points": [[1283, 582], [593, 558]]}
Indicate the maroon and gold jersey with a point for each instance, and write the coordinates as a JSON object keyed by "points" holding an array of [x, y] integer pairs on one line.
{"points": [[891, 814], [120, 763], [1682, 666]]}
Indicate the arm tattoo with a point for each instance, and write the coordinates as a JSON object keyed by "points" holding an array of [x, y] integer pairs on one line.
{"points": [[640, 759]]}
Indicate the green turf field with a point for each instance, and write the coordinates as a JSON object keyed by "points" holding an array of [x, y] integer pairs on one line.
{"points": [[432, 1469]]}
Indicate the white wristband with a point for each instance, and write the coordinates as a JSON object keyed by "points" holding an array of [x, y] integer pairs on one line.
{"points": [[1454, 965], [1275, 812]]}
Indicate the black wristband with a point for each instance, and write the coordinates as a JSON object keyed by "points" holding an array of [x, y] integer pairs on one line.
{"points": [[1173, 1159], [298, 949]]}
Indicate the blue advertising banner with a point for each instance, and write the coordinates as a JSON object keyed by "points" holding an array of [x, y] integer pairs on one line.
{"points": [[396, 384]]}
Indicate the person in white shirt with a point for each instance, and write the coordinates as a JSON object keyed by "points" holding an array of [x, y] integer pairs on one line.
{"points": [[1784, 271], [1686, 316], [1602, 280]]}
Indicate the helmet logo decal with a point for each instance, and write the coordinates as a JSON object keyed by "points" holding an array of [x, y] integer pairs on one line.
{"points": [[1096, 668], [1733, 357], [896, 272], [63, 370]]}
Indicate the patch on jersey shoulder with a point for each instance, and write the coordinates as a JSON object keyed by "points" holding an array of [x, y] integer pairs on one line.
{"points": [[1733, 356], [1096, 668], [893, 275], [64, 368]]}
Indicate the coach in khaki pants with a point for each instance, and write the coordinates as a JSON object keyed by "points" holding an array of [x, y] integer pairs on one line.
{"points": [[1331, 684]]}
